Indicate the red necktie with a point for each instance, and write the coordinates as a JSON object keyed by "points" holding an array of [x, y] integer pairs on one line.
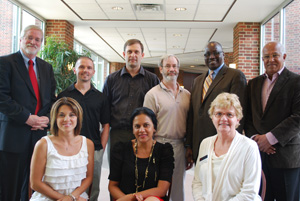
{"points": [[34, 85]]}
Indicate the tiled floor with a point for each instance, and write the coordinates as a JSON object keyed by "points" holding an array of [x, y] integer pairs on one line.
{"points": [[104, 195]]}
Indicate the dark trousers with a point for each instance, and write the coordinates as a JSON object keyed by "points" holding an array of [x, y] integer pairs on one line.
{"points": [[118, 135], [283, 184], [14, 176]]}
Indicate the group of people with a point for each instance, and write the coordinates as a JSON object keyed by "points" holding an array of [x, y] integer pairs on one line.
{"points": [[152, 130]]}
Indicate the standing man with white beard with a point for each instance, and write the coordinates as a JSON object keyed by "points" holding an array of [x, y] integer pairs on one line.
{"points": [[27, 91], [170, 102]]}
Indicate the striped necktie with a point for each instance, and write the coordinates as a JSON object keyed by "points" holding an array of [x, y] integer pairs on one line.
{"points": [[207, 83]]}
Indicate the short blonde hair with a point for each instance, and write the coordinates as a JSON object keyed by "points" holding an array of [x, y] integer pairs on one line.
{"points": [[226, 101], [54, 112]]}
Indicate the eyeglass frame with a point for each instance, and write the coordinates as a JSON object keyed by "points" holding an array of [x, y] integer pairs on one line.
{"points": [[219, 115], [216, 54]]}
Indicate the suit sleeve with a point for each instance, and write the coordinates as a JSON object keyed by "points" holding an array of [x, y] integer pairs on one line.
{"points": [[249, 128], [239, 87], [189, 123], [289, 128], [8, 106]]}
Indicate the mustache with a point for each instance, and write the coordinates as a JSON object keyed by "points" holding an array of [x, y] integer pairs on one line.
{"points": [[30, 45]]}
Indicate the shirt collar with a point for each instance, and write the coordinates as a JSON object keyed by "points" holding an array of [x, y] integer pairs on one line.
{"points": [[72, 87], [165, 88], [124, 71], [217, 70], [26, 59], [279, 72]]}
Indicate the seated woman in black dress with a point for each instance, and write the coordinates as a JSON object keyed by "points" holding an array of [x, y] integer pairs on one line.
{"points": [[141, 169]]}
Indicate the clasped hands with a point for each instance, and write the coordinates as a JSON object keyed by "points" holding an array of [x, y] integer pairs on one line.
{"points": [[264, 144], [37, 123]]}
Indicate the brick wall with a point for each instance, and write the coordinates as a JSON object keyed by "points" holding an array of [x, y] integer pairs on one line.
{"points": [[292, 40], [115, 66], [6, 23], [228, 58], [62, 29], [246, 42], [272, 29]]}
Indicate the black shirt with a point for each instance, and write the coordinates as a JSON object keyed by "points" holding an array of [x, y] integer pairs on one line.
{"points": [[122, 166], [95, 110], [126, 93]]}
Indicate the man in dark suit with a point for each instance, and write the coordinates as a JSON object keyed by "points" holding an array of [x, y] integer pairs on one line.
{"points": [[273, 121], [27, 91], [206, 88]]}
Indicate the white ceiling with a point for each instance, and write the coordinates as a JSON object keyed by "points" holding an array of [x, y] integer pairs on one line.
{"points": [[183, 33]]}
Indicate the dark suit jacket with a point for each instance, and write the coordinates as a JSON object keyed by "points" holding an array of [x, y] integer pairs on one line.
{"points": [[199, 124], [281, 117], [18, 101]]}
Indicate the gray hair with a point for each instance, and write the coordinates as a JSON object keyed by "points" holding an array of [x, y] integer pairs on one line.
{"points": [[30, 27], [166, 56]]}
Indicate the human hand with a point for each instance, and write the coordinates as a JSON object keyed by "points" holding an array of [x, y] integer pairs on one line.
{"points": [[139, 197], [81, 199], [65, 198], [264, 144], [37, 123], [189, 158], [128, 197]]}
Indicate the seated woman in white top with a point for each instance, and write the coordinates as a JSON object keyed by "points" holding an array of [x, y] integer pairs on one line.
{"points": [[229, 165], [62, 163]]}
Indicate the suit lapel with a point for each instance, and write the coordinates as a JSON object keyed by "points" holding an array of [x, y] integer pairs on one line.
{"points": [[215, 82], [21, 67], [200, 85], [41, 74], [258, 91], [282, 79]]}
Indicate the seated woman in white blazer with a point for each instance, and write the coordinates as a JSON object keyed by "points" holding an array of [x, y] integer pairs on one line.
{"points": [[228, 165]]}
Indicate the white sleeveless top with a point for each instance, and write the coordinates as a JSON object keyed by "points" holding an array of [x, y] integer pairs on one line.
{"points": [[64, 173]]}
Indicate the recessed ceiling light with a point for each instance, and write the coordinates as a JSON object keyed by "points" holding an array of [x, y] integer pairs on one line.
{"points": [[117, 8], [192, 66], [177, 35], [180, 9]]}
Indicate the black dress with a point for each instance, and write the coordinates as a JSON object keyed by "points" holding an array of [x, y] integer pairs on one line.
{"points": [[122, 166]]}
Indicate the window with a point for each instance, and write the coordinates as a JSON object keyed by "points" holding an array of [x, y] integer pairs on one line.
{"points": [[291, 33], [272, 29], [283, 25], [13, 18], [9, 14], [28, 19]]}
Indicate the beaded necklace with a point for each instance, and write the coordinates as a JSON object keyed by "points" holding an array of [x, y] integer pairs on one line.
{"points": [[136, 168]]}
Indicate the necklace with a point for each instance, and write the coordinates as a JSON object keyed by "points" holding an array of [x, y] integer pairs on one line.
{"points": [[136, 168]]}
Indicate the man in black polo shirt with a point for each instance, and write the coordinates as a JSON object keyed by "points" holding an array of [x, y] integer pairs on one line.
{"points": [[95, 111]]}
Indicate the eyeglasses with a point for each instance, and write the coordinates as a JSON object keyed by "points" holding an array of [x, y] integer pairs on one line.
{"points": [[38, 40], [274, 56], [221, 114], [208, 54]]}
